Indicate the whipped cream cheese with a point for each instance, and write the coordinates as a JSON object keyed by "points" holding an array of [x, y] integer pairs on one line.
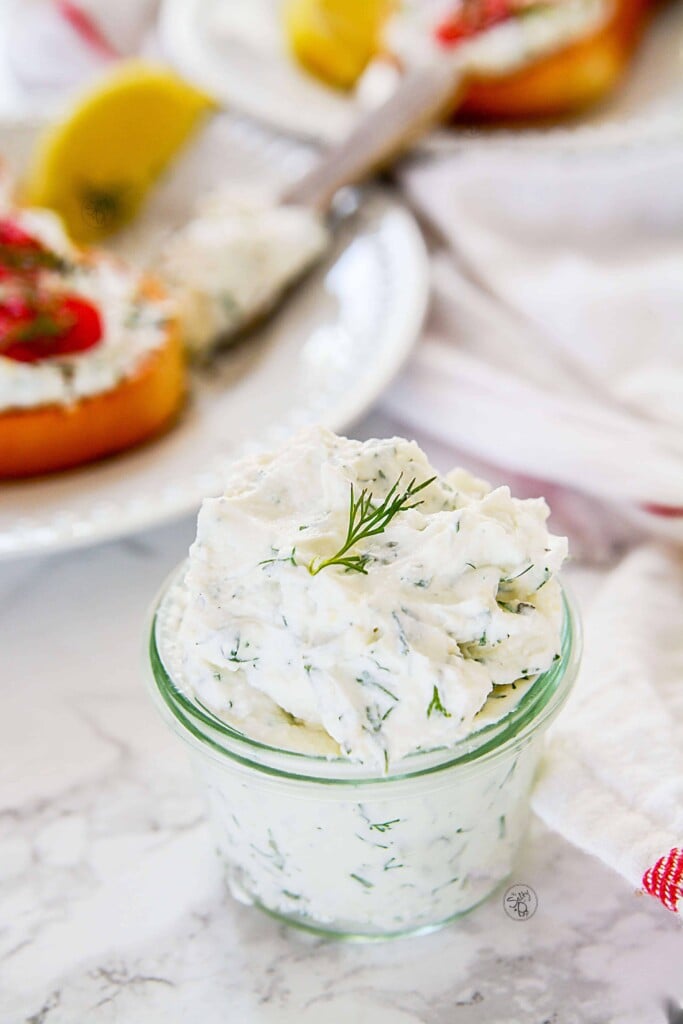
{"points": [[454, 607], [229, 265], [133, 326], [529, 34]]}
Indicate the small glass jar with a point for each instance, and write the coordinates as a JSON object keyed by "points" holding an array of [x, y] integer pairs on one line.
{"points": [[321, 844]]}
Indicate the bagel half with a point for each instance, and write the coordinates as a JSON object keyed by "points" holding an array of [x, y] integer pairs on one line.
{"points": [[564, 82]]}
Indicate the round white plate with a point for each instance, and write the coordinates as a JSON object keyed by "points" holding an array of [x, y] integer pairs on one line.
{"points": [[325, 357], [237, 50]]}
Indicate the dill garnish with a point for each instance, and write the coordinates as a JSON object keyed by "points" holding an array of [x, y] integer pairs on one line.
{"points": [[367, 520]]}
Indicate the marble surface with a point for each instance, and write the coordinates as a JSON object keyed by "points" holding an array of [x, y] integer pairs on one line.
{"points": [[112, 907]]}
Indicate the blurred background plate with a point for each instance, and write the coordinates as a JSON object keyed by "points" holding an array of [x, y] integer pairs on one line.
{"points": [[237, 50], [326, 356]]}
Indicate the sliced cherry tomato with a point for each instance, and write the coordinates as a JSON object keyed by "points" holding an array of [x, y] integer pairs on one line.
{"points": [[57, 327], [21, 254], [472, 17]]}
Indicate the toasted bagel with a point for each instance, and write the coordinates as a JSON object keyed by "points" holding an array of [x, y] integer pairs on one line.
{"points": [[566, 81], [46, 438]]}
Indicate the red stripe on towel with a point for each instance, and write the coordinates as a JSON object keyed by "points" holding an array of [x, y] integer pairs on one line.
{"points": [[86, 28], [667, 511], [665, 879]]}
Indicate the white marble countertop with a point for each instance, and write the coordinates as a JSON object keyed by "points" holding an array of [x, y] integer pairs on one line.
{"points": [[112, 907]]}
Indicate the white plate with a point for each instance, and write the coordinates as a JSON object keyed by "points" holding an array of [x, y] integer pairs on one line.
{"points": [[325, 357], [237, 50]]}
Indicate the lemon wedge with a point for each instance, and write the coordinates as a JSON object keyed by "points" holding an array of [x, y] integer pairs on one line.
{"points": [[335, 39], [95, 166]]}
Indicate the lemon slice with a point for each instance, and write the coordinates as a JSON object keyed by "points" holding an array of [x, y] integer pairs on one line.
{"points": [[335, 39], [96, 166]]}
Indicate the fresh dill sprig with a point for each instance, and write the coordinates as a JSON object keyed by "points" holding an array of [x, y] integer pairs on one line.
{"points": [[367, 520]]}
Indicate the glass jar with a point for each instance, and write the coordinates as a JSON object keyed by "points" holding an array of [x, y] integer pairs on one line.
{"points": [[321, 844]]}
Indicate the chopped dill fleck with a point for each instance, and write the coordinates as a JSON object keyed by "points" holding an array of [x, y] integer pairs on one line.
{"points": [[509, 774], [401, 634], [273, 854], [365, 679], [234, 657], [546, 577], [384, 826], [291, 557], [379, 846], [445, 885], [509, 579], [363, 881], [436, 705], [375, 717]]}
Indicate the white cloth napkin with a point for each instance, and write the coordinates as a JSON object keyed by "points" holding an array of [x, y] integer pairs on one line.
{"points": [[612, 779], [56, 46], [555, 346]]}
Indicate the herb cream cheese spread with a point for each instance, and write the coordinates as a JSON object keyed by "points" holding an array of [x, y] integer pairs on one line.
{"points": [[343, 599], [229, 265]]}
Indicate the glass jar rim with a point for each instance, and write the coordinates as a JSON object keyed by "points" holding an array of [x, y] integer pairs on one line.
{"points": [[198, 726]]}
